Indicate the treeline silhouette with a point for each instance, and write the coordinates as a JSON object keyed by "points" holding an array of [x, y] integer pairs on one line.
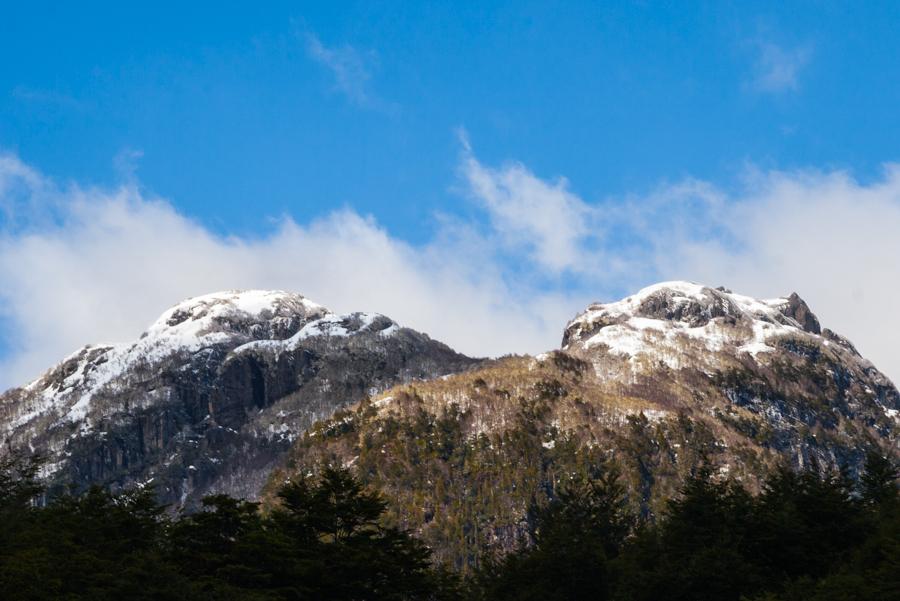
{"points": [[810, 535]]}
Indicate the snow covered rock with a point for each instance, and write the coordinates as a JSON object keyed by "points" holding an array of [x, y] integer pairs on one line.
{"points": [[682, 323], [758, 358], [212, 393]]}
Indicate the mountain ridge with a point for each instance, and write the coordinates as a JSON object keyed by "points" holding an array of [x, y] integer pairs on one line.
{"points": [[242, 372], [674, 377], [233, 391]]}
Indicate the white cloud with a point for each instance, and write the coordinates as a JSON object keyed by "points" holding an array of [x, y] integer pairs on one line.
{"points": [[110, 261], [93, 265], [545, 219], [126, 163], [826, 236], [822, 234], [22, 191], [777, 68]]}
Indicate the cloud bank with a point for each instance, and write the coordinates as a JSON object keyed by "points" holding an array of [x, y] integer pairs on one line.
{"points": [[99, 265], [86, 265]]}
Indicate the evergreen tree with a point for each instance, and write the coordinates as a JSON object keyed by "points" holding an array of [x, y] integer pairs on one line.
{"points": [[573, 538], [878, 482], [697, 552], [805, 524], [335, 523]]}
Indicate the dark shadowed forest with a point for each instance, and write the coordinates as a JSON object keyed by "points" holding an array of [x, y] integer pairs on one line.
{"points": [[810, 535]]}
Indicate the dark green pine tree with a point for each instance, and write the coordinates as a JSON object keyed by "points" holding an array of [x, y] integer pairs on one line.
{"points": [[325, 541], [806, 523], [574, 536], [697, 551], [336, 524], [872, 572], [878, 482], [226, 552]]}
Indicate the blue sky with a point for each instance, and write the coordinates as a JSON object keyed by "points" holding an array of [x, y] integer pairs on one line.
{"points": [[442, 127]]}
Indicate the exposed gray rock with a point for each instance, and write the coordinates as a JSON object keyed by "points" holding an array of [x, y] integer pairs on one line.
{"points": [[212, 395], [670, 305], [797, 309], [766, 365]]}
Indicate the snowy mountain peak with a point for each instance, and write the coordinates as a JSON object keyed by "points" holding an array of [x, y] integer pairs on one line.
{"points": [[239, 311], [211, 395], [684, 323], [695, 305], [767, 357], [221, 324]]}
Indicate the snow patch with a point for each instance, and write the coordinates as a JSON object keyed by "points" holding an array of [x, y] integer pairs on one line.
{"points": [[189, 327], [747, 326], [329, 326], [382, 401]]}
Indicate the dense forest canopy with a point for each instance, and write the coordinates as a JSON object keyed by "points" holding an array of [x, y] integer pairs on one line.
{"points": [[809, 535]]}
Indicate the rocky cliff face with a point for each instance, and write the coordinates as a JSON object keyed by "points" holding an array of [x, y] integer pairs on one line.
{"points": [[766, 364], [212, 395], [657, 383]]}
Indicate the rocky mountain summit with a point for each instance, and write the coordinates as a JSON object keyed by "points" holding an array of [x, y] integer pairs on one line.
{"points": [[212, 394], [676, 376], [766, 362]]}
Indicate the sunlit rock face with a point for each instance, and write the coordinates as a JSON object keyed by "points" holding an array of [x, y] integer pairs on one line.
{"points": [[672, 378], [212, 394], [755, 359]]}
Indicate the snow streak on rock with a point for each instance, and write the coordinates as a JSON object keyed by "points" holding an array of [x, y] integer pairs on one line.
{"points": [[235, 369]]}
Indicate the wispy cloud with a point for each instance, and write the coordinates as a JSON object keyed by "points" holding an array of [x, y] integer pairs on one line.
{"points": [[350, 69], [126, 163], [24, 198], [776, 68], [544, 219], [42, 97]]}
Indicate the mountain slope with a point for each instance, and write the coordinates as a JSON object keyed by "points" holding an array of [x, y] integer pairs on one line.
{"points": [[657, 383], [212, 394]]}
